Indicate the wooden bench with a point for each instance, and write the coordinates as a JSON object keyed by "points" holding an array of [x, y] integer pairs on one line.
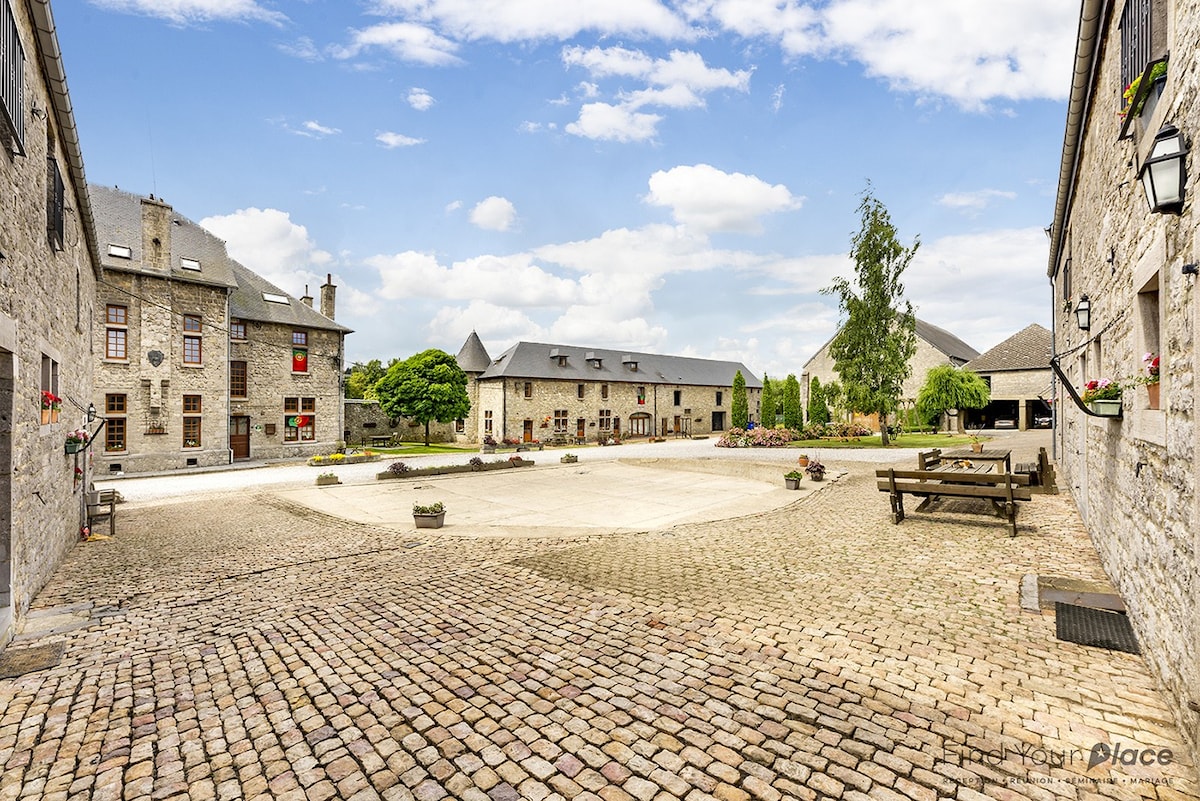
{"points": [[1002, 489], [105, 505], [1042, 478]]}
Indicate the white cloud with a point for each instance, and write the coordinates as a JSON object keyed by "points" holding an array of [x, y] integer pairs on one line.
{"points": [[504, 280], [193, 12], [317, 130], [270, 244], [494, 214], [390, 139], [453, 206], [644, 253], [777, 98], [405, 41], [615, 123], [303, 48], [523, 20], [420, 99], [707, 199], [974, 201], [499, 326]]}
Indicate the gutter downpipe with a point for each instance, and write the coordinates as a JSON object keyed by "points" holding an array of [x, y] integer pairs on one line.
{"points": [[1091, 16]]}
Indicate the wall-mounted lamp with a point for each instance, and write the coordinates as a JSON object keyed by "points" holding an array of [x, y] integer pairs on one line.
{"points": [[1191, 269], [1083, 313], [1163, 176], [37, 112], [91, 412]]}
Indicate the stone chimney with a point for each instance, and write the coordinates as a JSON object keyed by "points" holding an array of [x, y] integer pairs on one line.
{"points": [[328, 293], [307, 299], [156, 234]]}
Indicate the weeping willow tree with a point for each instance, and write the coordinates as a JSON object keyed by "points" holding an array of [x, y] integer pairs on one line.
{"points": [[950, 387]]}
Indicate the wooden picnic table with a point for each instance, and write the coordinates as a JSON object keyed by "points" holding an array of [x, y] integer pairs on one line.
{"points": [[996, 456], [960, 478]]}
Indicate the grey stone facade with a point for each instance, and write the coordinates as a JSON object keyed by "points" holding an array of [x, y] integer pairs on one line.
{"points": [[48, 273], [200, 361], [364, 420], [1134, 478], [541, 392]]}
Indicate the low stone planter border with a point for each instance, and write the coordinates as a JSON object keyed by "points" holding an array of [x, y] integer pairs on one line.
{"points": [[327, 462], [419, 472]]}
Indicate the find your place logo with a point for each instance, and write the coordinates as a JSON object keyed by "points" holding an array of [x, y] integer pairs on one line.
{"points": [[1116, 755]]}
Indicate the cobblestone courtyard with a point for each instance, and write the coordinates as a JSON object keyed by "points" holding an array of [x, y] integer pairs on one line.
{"points": [[248, 647]]}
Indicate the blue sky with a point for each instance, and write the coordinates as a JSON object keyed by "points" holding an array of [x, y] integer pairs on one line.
{"points": [[677, 176]]}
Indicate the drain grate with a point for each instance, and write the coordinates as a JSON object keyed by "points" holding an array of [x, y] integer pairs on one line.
{"points": [[19, 661], [1098, 628]]}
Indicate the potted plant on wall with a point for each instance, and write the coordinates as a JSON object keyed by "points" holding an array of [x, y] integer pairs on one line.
{"points": [[429, 515], [51, 404], [1150, 379], [489, 444], [1103, 397], [77, 440]]}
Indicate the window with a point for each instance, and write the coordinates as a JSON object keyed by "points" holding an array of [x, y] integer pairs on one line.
{"points": [[55, 202], [120, 251], [189, 264], [299, 351], [604, 391], [487, 422], [606, 419], [678, 397], [191, 424], [641, 395], [1149, 345], [1138, 39], [12, 79], [116, 317], [560, 419], [114, 429], [579, 390], [720, 397], [460, 425], [192, 351], [237, 329], [299, 422], [271, 297], [237, 380], [529, 389]]}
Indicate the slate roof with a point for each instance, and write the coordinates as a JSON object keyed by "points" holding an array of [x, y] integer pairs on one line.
{"points": [[119, 222], [473, 357], [246, 303], [954, 348], [1028, 349], [534, 360]]}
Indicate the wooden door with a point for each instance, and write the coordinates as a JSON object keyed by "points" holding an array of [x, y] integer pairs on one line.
{"points": [[527, 434], [239, 437], [580, 428]]}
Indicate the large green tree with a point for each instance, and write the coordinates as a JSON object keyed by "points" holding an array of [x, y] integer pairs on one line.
{"points": [[872, 351], [425, 387], [818, 412], [361, 378], [766, 403], [739, 406], [832, 391], [950, 387], [793, 414]]}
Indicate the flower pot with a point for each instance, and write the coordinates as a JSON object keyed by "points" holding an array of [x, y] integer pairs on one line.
{"points": [[817, 476], [803, 460], [1152, 393], [1106, 408], [325, 481], [45, 417], [429, 521], [74, 447], [569, 459], [977, 447], [792, 483], [54, 415]]}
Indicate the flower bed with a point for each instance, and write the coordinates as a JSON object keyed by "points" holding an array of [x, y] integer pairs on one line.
{"points": [[335, 459], [416, 472], [756, 438]]}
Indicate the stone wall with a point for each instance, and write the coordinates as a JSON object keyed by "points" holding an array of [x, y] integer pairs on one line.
{"points": [[267, 351], [514, 415], [154, 394], [364, 419], [46, 310], [1135, 479]]}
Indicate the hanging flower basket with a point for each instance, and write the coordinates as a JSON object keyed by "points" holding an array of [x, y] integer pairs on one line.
{"points": [[1106, 408]]}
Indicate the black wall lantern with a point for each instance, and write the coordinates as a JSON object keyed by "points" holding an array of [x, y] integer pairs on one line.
{"points": [[1083, 313], [1163, 175], [91, 412]]}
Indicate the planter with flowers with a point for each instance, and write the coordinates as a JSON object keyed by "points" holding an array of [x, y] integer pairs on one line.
{"points": [[815, 470], [1150, 378], [327, 479], [77, 440], [1103, 397], [792, 480], [51, 404], [429, 516]]}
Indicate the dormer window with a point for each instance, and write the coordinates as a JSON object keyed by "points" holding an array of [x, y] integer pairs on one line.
{"points": [[594, 360], [555, 353], [629, 362]]}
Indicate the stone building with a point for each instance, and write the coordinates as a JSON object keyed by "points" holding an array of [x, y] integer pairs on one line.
{"points": [[48, 274], [935, 347], [536, 391], [199, 360], [1123, 256], [367, 422], [1018, 373]]}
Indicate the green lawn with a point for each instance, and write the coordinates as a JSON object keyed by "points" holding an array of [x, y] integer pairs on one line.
{"points": [[903, 441], [419, 449]]}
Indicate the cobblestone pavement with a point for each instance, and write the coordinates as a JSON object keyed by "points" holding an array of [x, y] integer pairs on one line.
{"points": [[248, 648]]}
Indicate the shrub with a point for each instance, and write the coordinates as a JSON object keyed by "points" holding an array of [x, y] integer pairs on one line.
{"points": [[489, 440], [435, 508], [337, 457], [759, 437], [475, 462], [397, 468]]}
